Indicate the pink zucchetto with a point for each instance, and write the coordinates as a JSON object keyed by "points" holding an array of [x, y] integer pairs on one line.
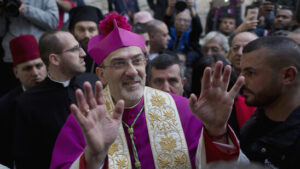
{"points": [[116, 33]]}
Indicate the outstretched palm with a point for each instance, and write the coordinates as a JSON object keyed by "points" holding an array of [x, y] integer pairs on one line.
{"points": [[214, 105], [99, 129]]}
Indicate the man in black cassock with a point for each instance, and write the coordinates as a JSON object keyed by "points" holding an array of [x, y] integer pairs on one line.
{"points": [[83, 25], [42, 111], [30, 70]]}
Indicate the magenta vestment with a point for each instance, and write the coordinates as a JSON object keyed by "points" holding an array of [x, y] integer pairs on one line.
{"points": [[70, 142]]}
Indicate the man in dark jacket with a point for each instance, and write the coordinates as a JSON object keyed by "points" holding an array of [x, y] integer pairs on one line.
{"points": [[270, 66], [30, 70], [185, 32]]}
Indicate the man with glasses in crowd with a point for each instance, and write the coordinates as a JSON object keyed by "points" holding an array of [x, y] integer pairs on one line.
{"points": [[215, 43], [41, 111], [185, 32]]}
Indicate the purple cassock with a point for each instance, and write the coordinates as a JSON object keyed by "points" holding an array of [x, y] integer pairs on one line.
{"points": [[70, 142]]}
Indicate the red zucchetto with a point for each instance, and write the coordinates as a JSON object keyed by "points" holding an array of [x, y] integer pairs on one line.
{"points": [[24, 48]]}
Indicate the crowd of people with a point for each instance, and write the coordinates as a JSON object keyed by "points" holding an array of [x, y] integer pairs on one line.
{"points": [[149, 89]]}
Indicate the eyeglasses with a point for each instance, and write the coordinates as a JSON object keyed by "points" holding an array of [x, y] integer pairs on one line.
{"points": [[74, 49], [124, 63], [186, 21], [212, 49]]}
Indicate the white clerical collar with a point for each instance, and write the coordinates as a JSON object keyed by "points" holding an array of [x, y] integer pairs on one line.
{"points": [[65, 83]]}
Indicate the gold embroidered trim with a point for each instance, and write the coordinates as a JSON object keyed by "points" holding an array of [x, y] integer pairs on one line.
{"points": [[168, 144], [118, 153]]}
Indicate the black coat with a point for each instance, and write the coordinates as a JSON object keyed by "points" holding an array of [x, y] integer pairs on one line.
{"points": [[158, 7], [279, 146], [41, 112], [6, 126]]}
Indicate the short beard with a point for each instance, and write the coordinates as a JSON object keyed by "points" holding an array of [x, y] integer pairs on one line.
{"points": [[136, 95], [133, 94]]}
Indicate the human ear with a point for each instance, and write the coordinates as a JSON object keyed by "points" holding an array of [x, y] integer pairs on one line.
{"points": [[100, 74], [15, 72], [289, 74], [184, 80], [54, 59]]}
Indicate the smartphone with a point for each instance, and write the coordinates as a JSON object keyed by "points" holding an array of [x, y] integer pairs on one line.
{"points": [[252, 14], [220, 3]]}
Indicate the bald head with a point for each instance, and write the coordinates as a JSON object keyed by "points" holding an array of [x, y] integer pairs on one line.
{"points": [[159, 36], [239, 41], [245, 35], [155, 25]]}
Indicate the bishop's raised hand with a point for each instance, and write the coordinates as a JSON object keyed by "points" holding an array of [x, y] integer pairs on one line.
{"points": [[99, 129], [214, 105]]}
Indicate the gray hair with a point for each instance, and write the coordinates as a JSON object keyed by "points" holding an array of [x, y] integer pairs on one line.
{"points": [[214, 34]]}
